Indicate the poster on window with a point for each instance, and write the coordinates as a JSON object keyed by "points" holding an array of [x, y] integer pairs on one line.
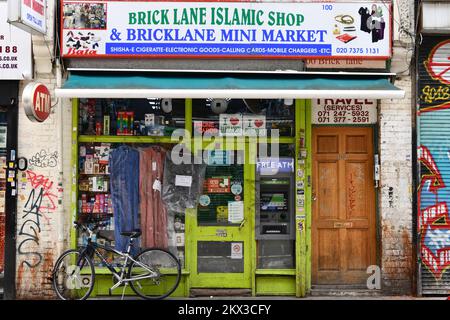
{"points": [[230, 125], [255, 126], [234, 29]]}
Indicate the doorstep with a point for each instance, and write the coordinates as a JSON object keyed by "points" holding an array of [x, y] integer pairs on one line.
{"points": [[343, 291]]}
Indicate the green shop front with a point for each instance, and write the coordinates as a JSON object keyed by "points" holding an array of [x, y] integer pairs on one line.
{"points": [[245, 224]]}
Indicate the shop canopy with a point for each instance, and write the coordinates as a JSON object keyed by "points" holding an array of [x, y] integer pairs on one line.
{"points": [[230, 85]]}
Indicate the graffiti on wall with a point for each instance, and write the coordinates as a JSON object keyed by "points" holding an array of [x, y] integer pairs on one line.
{"points": [[40, 201], [44, 159], [433, 222], [434, 157]]}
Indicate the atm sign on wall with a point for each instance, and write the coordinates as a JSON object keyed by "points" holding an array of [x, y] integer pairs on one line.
{"points": [[344, 111], [36, 100]]}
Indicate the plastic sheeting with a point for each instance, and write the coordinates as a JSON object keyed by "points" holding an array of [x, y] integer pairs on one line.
{"points": [[182, 184]]}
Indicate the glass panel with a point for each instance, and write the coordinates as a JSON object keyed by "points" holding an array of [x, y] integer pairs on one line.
{"points": [[223, 195], [276, 254], [220, 257], [271, 114], [131, 117]]}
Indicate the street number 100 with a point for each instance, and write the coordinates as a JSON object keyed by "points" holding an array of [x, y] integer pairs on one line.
{"points": [[327, 7]]}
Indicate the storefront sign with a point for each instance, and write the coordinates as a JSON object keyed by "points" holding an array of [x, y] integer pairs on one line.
{"points": [[271, 166], [28, 15], [15, 50], [226, 29], [36, 100], [344, 111]]}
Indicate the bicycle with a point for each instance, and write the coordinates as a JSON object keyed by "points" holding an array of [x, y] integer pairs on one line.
{"points": [[150, 273]]}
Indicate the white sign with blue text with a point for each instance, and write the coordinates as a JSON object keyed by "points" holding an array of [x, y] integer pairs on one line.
{"points": [[227, 29]]}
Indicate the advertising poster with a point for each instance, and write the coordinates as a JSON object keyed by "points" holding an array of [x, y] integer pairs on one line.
{"points": [[226, 29], [15, 49], [344, 111]]}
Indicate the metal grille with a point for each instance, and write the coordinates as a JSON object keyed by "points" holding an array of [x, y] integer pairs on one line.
{"points": [[434, 160]]}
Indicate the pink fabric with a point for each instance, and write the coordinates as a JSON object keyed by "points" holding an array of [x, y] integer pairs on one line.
{"points": [[152, 210]]}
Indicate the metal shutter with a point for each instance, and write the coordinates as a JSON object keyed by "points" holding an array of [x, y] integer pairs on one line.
{"points": [[434, 165]]}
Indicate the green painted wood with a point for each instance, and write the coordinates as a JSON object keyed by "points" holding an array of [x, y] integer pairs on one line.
{"points": [[281, 272], [308, 196], [276, 285], [74, 173]]}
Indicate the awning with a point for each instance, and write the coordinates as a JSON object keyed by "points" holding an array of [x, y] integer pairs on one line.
{"points": [[217, 85]]}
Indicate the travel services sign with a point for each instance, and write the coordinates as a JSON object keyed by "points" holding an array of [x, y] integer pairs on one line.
{"points": [[226, 29]]}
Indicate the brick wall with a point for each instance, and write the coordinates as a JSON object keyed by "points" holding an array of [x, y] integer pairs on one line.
{"points": [[395, 143], [395, 196], [39, 205]]}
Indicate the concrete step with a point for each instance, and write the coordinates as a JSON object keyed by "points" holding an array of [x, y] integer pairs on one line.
{"points": [[343, 291]]}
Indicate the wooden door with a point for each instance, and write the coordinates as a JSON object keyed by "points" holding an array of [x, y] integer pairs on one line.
{"points": [[343, 223]]}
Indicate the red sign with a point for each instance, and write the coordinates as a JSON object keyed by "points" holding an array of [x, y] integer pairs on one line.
{"points": [[36, 100]]}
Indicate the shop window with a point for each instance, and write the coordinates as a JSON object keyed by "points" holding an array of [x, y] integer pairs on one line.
{"points": [[160, 227], [276, 254], [220, 257], [243, 117], [131, 117]]}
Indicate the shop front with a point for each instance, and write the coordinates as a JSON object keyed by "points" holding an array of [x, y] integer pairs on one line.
{"points": [[261, 183]]}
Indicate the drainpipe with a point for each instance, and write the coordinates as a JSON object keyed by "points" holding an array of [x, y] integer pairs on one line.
{"points": [[60, 136]]}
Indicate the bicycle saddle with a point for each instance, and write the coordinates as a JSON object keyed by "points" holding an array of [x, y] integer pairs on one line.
{"points": [[131, 234]]}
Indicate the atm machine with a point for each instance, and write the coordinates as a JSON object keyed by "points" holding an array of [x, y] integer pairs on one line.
{"points": [[275, 207]]}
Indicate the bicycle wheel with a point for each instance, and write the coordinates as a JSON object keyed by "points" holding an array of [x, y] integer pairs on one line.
{"points": [[155, 274], [73, 276]]}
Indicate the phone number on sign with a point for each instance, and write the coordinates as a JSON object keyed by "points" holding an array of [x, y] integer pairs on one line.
{"points": [[358, 50]]}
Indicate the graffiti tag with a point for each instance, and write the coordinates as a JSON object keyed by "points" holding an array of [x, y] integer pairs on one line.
{"points": [[40, 181], [30, 229], [43, 159]]}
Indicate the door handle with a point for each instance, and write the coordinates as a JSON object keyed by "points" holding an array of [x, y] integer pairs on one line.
{"points": [[314, 198], [242, 224]]}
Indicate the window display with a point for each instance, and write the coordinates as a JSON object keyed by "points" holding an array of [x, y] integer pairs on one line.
{"points": [[130, 117], [120, 184]]}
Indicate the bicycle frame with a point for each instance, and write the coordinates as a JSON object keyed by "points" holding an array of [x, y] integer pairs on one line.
{"points": [[120, 276]]}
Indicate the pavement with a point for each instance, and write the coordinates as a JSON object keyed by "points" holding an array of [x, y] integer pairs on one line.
{"points": [[272, 298]]}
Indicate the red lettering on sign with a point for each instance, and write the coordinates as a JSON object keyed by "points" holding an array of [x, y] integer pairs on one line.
{"points": [[85, 52], [42, 102], [27, 3], [38, 7]]}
